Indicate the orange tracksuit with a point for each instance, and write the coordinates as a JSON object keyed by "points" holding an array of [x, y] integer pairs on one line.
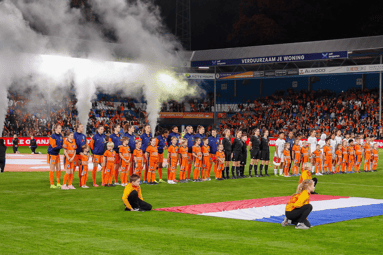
{"points": [[84, 169], [297, 158], [184, 162], [125, 166], [220, 165], [197, 161], [344, 158], [287, 161], [318, 160], [375, 158], [351, 158], [138, 155], [328, 158], [358, 157], [338, 160], [367, 157], [298, 200], [205, 161], [109, 166], [153, 161], [172, 164], [70, 148]]}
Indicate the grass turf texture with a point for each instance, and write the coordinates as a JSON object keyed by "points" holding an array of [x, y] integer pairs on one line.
{"points": [[38, 220]]}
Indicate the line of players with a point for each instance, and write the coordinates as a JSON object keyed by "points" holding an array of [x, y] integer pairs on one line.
{"points": [[128, 155], [334, 155]]}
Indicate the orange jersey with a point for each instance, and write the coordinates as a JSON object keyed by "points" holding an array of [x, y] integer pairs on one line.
{"points": [[297, 151], [338, 154], [318, 155], [153, 153], [173, 152], [358, 149], [138, 155], [205, 151], [70, 147], [197, 150], [344, 153], [183, 151], [84, 159], [125, 152], [351, 151], [327, 151], [286, 155], [305, 153], [375, 154], [367, 148], [110, 157]]}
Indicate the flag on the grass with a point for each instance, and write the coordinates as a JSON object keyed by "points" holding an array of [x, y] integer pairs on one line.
{"points": [[326, 209]]}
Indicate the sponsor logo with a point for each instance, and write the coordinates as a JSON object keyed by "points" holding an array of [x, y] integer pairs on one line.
{"points": [[324, 55]]}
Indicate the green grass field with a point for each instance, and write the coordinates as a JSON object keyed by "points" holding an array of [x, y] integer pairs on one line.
{"points": [[38, 220]]}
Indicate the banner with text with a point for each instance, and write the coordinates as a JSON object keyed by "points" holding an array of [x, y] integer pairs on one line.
{"points": [[25, 141], [272, 59], [197, 76], [341, 69], [186, 115]]}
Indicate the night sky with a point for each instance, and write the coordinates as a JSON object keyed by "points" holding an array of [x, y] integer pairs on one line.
{"points": [[237, 23]]}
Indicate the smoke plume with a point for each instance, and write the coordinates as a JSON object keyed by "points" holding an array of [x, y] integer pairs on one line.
{"points": [[57, 45]]}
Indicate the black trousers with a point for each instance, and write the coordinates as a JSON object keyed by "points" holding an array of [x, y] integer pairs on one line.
{"points": [[300, 215], [2, 164], [137, 203], [33, 149], [15, 148]]}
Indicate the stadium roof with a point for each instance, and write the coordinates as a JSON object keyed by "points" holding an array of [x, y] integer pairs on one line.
{"points": [[351, 45]]}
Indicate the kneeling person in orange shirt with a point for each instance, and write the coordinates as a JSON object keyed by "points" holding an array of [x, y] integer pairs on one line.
{"points": [[132, 196], [108, 165]]}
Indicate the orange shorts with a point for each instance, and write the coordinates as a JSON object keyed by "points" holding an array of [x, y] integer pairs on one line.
{"points": [[190, 156], [84, 170], [160, 158], [117, 159], [124, 166], [77, 160], [152, 166], [109, 168], [173, 166], [98, 159], [297, 159], [68, 165], [53, 159], [197, 163]]}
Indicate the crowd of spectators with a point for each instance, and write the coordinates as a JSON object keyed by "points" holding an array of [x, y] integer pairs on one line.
{"points": [[352, 111]]}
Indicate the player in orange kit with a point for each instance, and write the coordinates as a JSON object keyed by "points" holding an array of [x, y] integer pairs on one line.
{"points": [[296, 157], [173, 158], [351, 156], [327, 151], [197, 154], [304, 153], [358, 155], [70, 154], [125, 156], [84, 159], [220, 166], [344, 156], [152, 156], [55, 145], [183, 151], [139, 159], [367, 155], [375, 157], [205, 149], [286, 159], [317, 158], [339, 158], [108, 165]]}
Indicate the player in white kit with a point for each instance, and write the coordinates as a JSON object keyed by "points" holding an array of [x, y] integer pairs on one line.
{"points": [[278, 154], [312, 141]]}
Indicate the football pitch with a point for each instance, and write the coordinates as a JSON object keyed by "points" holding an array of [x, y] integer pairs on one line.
{"points": [[38, 220]]}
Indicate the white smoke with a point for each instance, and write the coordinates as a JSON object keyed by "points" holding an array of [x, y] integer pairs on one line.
{"points": [[140, 36]]}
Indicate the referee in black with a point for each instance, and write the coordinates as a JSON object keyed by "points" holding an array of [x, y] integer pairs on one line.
{"points": [[255, 152], [265, 153]]}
